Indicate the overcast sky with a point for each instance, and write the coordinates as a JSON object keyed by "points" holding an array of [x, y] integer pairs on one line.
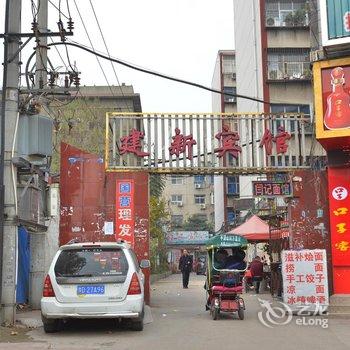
{"points": [[176, 37]]}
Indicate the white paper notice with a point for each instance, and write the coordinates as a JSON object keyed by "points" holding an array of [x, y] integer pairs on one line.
{"points": [[108, 228]]}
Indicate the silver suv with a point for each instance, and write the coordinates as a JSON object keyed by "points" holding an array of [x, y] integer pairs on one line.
{"points": [[94, 280]]}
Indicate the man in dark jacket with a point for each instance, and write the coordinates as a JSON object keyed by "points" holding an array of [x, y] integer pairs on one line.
{"points": [[256, 269], [185, 266]]}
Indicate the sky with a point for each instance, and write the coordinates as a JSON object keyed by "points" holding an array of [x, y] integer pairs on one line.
{"points": [[180, 38]]}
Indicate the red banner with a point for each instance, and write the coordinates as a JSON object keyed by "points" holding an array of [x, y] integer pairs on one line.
{"points": [[125, 211], [339, 210]]}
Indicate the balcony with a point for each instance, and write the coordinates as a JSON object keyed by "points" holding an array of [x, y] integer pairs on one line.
{"points": [[288, 71], [294, 19]]}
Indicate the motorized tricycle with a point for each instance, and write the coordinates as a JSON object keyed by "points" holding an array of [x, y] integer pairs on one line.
{"points": [[225, 272]]}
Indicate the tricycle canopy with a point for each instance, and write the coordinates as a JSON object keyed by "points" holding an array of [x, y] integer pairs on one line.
{"points": [[226, 241]]}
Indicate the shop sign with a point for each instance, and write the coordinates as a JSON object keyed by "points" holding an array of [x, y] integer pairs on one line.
{"points": [[187, 237], [272, 189], [125, 211], [305, 281], [331, 88]]}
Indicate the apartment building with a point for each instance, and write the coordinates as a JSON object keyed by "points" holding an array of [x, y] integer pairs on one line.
{"points": [[271, 63], [188, 196], [227, 189]]}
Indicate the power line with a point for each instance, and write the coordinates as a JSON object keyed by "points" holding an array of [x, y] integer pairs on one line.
{"points": [[104, 41], [161, 75], [93, 49], [58, 9]]}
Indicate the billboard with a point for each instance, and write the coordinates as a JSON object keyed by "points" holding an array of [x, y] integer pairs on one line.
{"points": [[187, 237], [332, 102], [335, 22], [305, 280]]}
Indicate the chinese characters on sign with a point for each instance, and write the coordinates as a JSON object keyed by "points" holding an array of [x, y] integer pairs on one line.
{"points": [[228, 143], [339, 206], [271, 189], [304, 275], [125, 212], [280, 139], [181, 143], [132, 144]]}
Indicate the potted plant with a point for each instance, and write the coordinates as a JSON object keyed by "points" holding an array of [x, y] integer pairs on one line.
{"points": [[299, 17], [289, 19]]}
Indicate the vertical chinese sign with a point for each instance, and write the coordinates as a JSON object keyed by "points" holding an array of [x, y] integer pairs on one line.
{"points": [[125, 211], [305, 279], [339, 212]]}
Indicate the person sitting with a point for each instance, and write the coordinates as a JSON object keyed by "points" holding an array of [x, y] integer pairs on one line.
{"points": [[220, 259], [236, 260]]}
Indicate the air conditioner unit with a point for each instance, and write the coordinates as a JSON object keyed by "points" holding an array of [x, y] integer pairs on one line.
{"points": [[203, 206], [234, 76], [180, 204], [198, 186]]}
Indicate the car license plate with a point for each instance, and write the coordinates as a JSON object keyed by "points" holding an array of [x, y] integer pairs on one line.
{"points": [[91, 289]]}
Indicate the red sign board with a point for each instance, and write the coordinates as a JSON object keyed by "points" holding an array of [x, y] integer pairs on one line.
{"points": [[339, 206], [125, 211]]}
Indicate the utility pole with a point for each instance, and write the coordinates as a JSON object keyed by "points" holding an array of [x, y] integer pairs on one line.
{"points": [[8, 177], [38, 240]]}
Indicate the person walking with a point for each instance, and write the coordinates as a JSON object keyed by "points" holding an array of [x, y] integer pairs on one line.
{"points": [[185, 266], [257, 272]]}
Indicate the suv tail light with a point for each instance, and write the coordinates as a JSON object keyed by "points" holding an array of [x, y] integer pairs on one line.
{"points": [[48, 290], [134, 287]]}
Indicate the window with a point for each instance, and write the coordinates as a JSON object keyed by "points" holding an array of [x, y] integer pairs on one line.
{"points": [[176, 199], [288, 64], [231, 91], [276, 108], [199, 199], [231, 216], [286, 13], [233, 185], [177, 220], [199, 179], [177, 180], [228, 64], [92, 261]]}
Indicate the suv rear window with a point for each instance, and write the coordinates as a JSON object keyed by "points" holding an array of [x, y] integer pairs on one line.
{"points": [[91, 262]]}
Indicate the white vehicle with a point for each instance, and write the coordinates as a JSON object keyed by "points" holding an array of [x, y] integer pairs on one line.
{"points": [[94, 280]]}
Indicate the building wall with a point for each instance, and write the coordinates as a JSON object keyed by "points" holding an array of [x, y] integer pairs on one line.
{"points": [[290, 38], [224, 76], [248, 54], [187, 190]]}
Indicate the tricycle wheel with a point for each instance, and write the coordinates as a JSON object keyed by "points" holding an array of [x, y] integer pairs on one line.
{"points": [[215, 313], [241, 313]]}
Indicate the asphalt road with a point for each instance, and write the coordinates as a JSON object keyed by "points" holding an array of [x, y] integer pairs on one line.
{"points": [[179, 321]]}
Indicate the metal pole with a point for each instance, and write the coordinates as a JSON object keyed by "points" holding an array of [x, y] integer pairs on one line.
{"points": [[8, 177]]}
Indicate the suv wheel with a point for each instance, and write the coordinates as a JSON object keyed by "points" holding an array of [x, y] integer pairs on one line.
{"points": [[137, 325], [50, 325]]}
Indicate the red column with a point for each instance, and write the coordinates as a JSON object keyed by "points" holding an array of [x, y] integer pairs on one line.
{"points": [[339, 206]]}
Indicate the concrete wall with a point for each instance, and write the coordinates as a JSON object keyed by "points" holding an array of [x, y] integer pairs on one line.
{"points": [[291, 37], [43, 247], [219, 203], [293, 93], [248, 54]]}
